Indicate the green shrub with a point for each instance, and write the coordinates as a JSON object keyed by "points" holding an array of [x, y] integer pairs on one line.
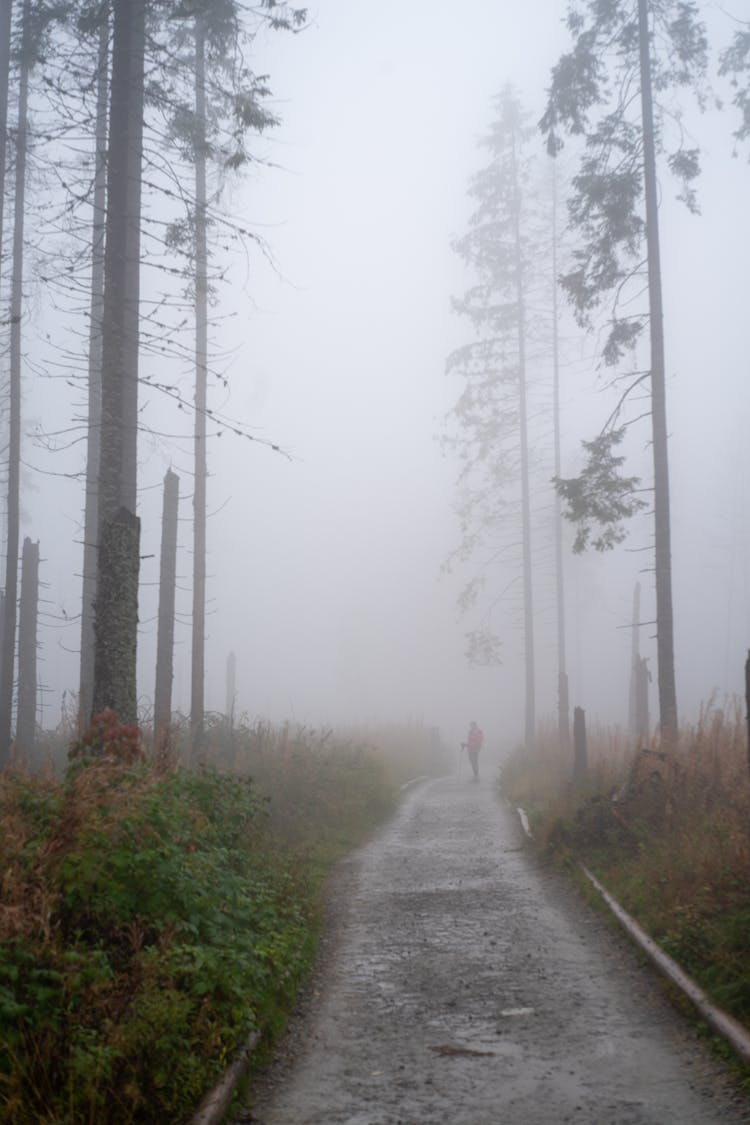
{"points": [[168, 933], [152, 915]]}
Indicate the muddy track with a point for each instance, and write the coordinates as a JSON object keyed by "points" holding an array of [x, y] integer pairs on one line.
{"points": [[461, 982]]}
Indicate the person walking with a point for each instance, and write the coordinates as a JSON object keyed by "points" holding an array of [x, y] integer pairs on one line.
{"points": [[473, 744]]}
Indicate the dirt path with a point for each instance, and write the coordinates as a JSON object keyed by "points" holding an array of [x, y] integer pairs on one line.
{"points": [[461, 983]]}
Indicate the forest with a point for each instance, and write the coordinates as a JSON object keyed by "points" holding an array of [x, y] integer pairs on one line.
{"points": [[350, 388]]}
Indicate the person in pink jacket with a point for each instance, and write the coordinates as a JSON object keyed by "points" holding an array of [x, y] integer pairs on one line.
{"points": [[474, 741]]}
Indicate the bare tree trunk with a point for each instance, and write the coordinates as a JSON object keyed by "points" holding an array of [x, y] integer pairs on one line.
{"points": [[635, 657], [747, 704], [231, 687], [197, 700], [580, 747], [563, 702], [27, 658], [6, 12], [662, 534], [167, 583], [640, 678], [14, 441], [116, 610], [91, 516], [643, 679], [528, 607]]}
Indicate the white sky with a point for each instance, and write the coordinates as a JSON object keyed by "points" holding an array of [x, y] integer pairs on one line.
{"points": [[325, 570]]}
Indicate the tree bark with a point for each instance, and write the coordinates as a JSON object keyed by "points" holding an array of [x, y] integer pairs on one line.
{"points": [[116, 606], [747, 705], [7, 664], [167, 584], [635, 656], [91, 516], [116, 622], [27, 654], [231, 687], [528, 607], [6, 12], [197, 692], [580, 748], [563, 702], [662, 532]]}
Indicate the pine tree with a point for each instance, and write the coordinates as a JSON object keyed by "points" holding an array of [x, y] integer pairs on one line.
{"points": [[491, 415], [603, 92], [93, 429], [26, 57], [209, 126], [116, 609], [6, 19]]}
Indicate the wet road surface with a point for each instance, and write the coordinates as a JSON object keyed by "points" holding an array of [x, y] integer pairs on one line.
{"points": [[463, 983]]}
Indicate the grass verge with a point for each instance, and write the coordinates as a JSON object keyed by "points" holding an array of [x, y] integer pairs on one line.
{"points": [[153, 915], [668, 834]]}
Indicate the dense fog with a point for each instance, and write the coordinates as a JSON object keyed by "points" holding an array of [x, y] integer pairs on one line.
{"points": [[326, 558]]}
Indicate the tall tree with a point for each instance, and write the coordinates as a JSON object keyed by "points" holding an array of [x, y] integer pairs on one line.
{"points": [[10, 607], [209, 129], [234, 99], [563, 700], [624, 50], [116, 612], [93, 430], [6, 16], [6, 21], [197, 664], [492, 412]]}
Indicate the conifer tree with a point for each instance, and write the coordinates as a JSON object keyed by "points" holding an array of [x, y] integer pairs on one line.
{"points": [[491, 414], [210, 121], [603, 90], [118, 539]]}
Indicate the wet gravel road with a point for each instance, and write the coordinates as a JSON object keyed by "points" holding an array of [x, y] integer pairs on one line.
{"points": [[463, 983]]}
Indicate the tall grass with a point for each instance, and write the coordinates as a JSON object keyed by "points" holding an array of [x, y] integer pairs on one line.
{"points": [[151, 915], [667, 832]]}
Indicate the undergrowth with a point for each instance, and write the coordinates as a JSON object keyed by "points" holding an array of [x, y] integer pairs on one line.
{"points": [[152, 915], [668, 833]]}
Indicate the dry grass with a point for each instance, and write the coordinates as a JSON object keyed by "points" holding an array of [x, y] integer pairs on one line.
{"points": [[668, 831]]}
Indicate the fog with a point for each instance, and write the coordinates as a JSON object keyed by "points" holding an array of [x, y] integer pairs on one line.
{"points": [[326, 559]]}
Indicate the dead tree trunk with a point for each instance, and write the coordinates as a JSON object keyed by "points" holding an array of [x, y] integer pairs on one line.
{"points": [[27, 653], [747, 704], [167, 584], [7, 664], [580, 749], [643, 720], [116, 607], [635, 656], [91, 514], [231, 687]]}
